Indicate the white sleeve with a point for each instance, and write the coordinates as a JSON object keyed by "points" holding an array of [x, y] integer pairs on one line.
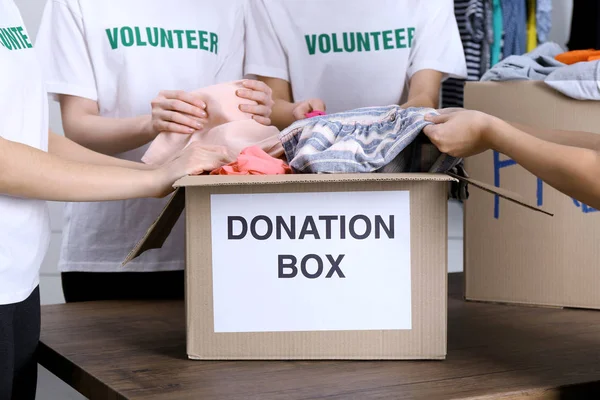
{"points": [[265, 56], [437, 44], [62, 49]]}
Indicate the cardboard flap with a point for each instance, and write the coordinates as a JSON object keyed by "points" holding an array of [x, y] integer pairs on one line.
{"points": [[505, 194], [291, 179], [161, 228]]}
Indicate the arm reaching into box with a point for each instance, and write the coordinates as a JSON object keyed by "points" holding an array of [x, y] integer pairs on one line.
{"points": [[424, 92], [31, 173], [585, 140], [69, 150], [572, 170], [285, 111], [424, 89]]}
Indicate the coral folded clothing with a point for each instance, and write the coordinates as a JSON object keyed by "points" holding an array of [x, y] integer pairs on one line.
{"points": [[575, 56], [226, 126], [254, 161]]}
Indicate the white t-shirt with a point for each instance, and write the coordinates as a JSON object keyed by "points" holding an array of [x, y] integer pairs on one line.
{"points": [[122, 54], [352, 53], [24, 226]]}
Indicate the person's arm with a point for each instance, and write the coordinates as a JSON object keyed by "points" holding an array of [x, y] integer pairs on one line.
{"points": [[572, 170], [424, 89], [69, 150], [31, 173], [283, 107], [83, 124], [584, 140], [285, 112]]}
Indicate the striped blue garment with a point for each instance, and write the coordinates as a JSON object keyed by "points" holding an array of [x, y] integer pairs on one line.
{"points": [[471, 19], [371, 139]]}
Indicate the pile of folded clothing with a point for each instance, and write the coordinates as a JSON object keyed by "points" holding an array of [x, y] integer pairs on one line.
{"points": [[575, 73]]}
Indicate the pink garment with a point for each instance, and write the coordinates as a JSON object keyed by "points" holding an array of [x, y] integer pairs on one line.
{"points": [[314, 113], [254, 161], [227, 126]]}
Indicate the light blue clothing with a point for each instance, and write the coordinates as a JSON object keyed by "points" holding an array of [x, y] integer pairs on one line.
{"points": [[580, 81], [514, 17], [536, 65], [543, 19]]}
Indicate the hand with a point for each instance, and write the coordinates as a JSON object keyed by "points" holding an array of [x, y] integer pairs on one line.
{"points": [[450, 110], [195, 159], [304, 107], [177, 111], [261, 93], [459, 133]]}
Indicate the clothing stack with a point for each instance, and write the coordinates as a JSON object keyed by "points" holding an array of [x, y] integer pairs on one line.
{"points": [[492, 30], [385, 139], [506, 40], [575, 73]]}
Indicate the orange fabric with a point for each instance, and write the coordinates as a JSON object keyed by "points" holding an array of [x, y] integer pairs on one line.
{"points": [[575, 56], [254, 161]]}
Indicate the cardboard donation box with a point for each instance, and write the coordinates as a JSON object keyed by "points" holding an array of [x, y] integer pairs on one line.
{"points": [[312, 266], [514, 256]]}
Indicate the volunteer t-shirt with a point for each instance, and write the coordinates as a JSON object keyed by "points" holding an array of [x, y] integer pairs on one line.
{"points": [[122, 54], [352, 53], [24, 226]]}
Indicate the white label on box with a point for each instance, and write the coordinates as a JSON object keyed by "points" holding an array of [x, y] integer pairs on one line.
{"points": [[311, 261]]}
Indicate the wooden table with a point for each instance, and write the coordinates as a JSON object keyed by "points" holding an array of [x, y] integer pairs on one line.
{"points": [[136, 350]]}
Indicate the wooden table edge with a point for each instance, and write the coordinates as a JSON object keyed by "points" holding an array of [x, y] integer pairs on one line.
{"points": [[89, 386], [75, 376]]}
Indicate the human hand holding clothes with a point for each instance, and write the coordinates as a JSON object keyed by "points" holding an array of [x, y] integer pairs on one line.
{"points": [[261, 93], [575, 173], [195, 159], [304, 107], [177, 111], [459, 133]]}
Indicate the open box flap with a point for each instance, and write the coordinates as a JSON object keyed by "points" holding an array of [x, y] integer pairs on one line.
{"points": [[161, 228], [505, 194], [158, 232]]}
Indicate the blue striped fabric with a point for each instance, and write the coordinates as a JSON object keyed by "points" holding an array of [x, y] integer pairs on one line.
{"points": [[371, 139]]}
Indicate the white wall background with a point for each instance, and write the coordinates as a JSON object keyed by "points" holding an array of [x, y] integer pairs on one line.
{"points": [[51, 291]]}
